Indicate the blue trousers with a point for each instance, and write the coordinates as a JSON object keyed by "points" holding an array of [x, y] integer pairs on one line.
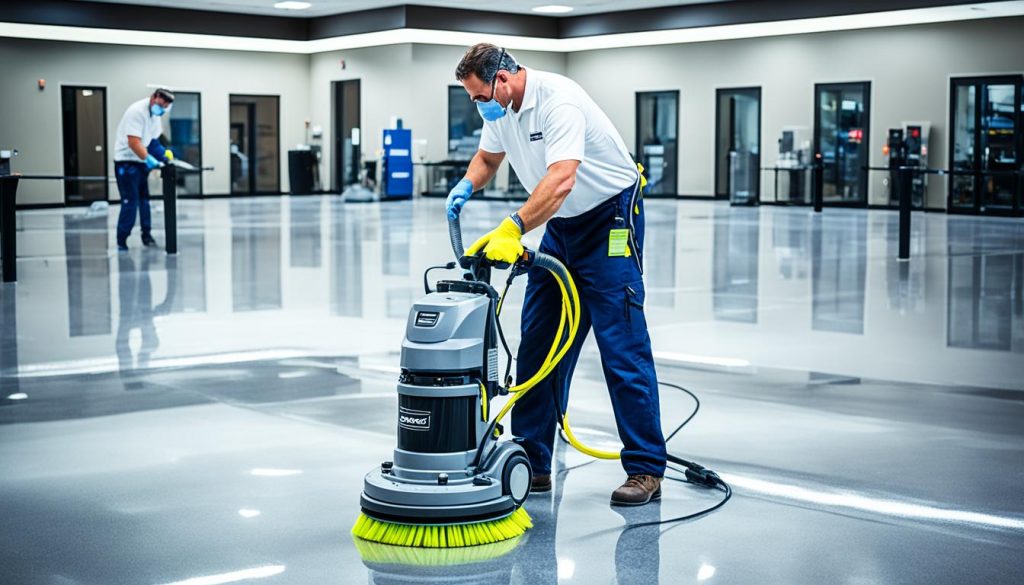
{"points": [[612, 297], [133, 185]]}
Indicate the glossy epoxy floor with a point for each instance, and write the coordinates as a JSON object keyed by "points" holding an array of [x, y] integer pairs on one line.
{"points": [[207, 418]]}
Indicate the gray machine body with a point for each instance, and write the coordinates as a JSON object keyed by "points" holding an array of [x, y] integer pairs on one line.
{"points": [[454, 342], [446, 334]]}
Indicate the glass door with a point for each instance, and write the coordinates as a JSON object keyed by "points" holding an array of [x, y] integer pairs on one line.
{"points": [[255, 147], [84, 121], [962, 150], [738, 144], [985, 151], [657, 146], [184, 136], [842, 118]]}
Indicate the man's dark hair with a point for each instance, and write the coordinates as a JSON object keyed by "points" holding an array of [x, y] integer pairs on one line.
{"points": [[164, 94], [485, 60]]}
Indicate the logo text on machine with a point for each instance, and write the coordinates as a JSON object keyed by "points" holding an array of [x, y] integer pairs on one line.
{"points": [[413, 420]]}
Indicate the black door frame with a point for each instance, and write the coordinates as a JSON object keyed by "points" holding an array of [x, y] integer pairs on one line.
{"points": [[252, 141], [977, 81], [337, 121], [107, 155], [718, 130], [638, 150], [818, 88]]}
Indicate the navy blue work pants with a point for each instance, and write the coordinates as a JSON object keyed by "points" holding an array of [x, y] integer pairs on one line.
{"points": [[133, 185], [612, 296]]}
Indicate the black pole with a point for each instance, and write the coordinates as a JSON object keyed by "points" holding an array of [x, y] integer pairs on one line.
{"points": [[904, 186], [169, 174], [8, 239], [818, 183]]}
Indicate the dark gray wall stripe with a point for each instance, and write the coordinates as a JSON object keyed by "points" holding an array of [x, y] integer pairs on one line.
{"points": [[151, 18], [478, 21], [351, 23]]}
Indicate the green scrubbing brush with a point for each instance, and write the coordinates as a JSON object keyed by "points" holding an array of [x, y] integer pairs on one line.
{"points": [[383, 554], [443, 535]]}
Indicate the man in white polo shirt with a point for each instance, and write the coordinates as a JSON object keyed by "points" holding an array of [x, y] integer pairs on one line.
{"points": [[584, 184], [137, 151]]}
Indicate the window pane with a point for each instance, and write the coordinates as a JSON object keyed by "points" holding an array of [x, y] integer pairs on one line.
{"points": [[464, 124]]}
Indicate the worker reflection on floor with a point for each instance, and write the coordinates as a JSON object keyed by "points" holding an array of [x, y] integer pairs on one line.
{"points": [[135, 293]]}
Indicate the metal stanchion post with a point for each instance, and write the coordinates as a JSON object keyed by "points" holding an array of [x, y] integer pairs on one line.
{"points": [[818, 182], [8, 239], [904, 186], [169, 174]]}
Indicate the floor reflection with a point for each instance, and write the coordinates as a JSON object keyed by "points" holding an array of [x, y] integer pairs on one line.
{"points": [[256, 255], [396, 238], [186, 274], [346, 265], [735, 249], [768, 286], [986, 308], [136, 312], [9, 338], [304, 232], [838, 273], [791, 245], [660, 240], [88, 272]]}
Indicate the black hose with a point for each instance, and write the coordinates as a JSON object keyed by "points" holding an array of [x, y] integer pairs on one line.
{"points": [[694, 473], [455, 235]]}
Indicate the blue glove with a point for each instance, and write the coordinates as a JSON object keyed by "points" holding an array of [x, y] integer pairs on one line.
{"points": [[458, 197], [151, 162]]}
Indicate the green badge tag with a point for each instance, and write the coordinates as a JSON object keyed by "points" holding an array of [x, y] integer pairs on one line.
{"points": [[617, 242]]}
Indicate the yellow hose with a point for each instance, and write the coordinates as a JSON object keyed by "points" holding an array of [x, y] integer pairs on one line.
{"points": [[570, 313]]}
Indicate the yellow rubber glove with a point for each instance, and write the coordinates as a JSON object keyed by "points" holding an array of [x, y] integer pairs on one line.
{"points": [[502, 244], [168, 155]]}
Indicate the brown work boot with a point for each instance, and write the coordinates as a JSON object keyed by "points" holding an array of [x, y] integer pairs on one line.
{"points": [[540, 484], [637, 491]]}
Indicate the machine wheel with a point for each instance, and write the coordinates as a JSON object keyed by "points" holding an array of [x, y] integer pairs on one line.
{"points": [[516, 477]]}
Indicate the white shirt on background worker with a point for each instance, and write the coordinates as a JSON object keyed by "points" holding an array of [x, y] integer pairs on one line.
{"points": [[137, 121], [559, 121]]}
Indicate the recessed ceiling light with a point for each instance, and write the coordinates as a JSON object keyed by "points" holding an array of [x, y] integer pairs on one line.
{"points": [[292, 5], [552, 9]]}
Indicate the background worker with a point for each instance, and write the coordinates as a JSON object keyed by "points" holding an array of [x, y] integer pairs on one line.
{"points": [[583, 183], [137, 150]]}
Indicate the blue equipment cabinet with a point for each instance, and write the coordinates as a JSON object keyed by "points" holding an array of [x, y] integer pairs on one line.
{"points": [[396, 173]]}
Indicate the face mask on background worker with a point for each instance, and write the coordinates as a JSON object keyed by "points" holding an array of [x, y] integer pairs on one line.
{"points": [[158, 110]]}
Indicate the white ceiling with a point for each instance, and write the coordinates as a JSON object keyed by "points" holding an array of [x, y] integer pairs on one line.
{"points": [[326, 7]]}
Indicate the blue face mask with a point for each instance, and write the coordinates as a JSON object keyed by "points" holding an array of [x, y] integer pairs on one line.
{"points": [[157, 110], [490, 111]]}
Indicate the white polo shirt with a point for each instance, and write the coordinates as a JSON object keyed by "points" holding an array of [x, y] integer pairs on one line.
{"points": [[137, 121], [559, 121]]}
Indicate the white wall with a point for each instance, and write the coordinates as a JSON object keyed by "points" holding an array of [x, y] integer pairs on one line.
{"points": [[30, 119], [407, 81], [908, 67]]}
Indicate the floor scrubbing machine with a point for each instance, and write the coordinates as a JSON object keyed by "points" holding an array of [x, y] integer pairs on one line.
{"points": [[451, 482]]}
